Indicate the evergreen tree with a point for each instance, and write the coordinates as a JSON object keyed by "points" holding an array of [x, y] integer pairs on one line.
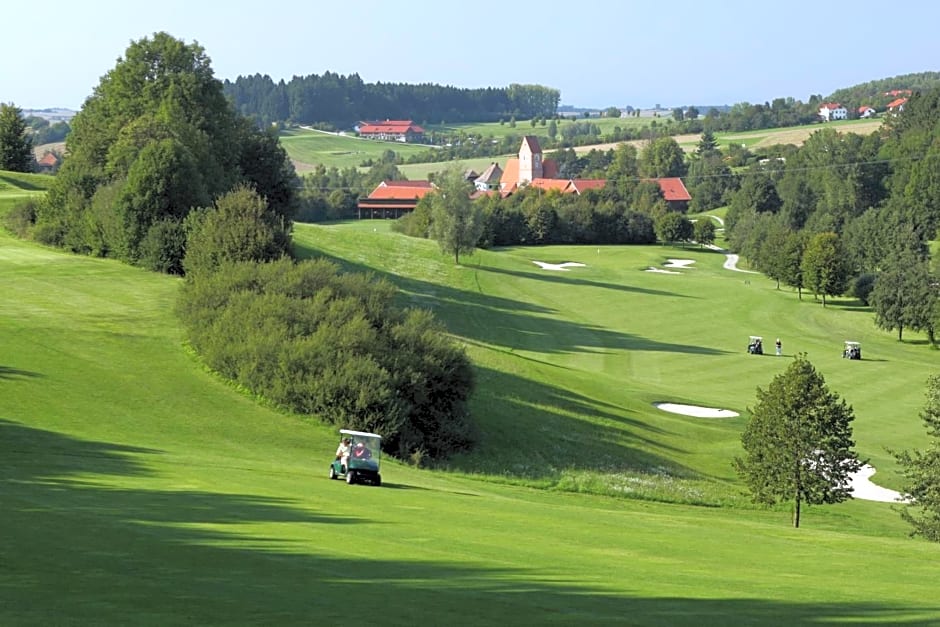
{"points": [[798, 443], [16, 146]]}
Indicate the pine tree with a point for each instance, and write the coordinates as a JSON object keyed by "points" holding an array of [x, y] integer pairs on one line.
{"points": [[16, 147], [921, 470]]}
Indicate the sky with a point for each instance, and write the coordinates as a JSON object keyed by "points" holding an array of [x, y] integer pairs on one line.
{"points": [[598, 54]]}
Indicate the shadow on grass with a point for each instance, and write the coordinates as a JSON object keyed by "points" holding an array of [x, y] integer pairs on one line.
{"points": [[15, 373], [570, 279], [81, 552], [513, 324]]}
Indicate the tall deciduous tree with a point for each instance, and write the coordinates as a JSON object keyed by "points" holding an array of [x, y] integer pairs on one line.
{"points": [[798, 443], [16, 147], [456, 221], [903, 297], [921, 470], [662, 158], [825, 270]]}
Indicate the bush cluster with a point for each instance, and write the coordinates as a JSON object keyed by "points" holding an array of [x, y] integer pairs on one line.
{"points": [[313, 340]]}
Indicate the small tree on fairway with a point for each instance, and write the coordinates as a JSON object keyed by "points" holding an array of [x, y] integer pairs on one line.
{"points": [[824, 268], [704, 231], [456, 222], [921, 470], [798, 443]]}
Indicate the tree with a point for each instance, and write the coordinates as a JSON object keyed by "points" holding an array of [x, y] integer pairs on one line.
{"points": [[791, 266], [798, 443], [673, 227], [902, 296], [456, 221], [16, 147], [241, 227], [662, 158], [552, 130], [921, 470], [708, 144], [824, 268], [704, 231]]}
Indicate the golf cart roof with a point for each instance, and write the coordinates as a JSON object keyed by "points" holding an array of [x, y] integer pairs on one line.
{"points": [[848, 343], [359, 433], [756, 337]]}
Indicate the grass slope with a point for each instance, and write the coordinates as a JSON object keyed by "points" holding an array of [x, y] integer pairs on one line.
{"points": [[139, 489]]}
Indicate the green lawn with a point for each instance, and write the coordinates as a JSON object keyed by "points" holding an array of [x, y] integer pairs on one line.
{"points": [[343, 151], [139, 489]]}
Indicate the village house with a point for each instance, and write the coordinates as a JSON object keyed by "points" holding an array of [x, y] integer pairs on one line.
{"points": [[48, 164], [897, 105], [829, 111], [865, 111], [391, 130]]}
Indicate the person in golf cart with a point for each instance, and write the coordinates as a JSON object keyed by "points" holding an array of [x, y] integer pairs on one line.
{"points": [[755, 346], [361, 451], [342, 452]]}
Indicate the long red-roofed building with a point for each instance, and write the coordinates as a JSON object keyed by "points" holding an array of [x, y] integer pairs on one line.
{"points": [[393, 130], [393, 199]]}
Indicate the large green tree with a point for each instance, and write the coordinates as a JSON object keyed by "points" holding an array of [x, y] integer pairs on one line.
{"points": [[824, 266], [160, 134], [798, 442], [456, 221], [663, 158], [903, 296], [921, 470], [16, 146]]}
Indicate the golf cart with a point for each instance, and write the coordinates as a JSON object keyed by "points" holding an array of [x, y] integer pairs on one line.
{"points": [[852, 350], [755, 345], [361, 463]]}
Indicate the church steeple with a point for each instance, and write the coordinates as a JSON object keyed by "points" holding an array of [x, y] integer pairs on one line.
{"points": [[530, 159]]}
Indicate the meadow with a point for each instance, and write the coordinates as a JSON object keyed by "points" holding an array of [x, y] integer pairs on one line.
{"points": [[138, 488], [308, 148]]}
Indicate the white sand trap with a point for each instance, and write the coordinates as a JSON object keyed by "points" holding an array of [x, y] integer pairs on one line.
{"points": [[661, 271], [731, 263], [696, 411], [678, 263], [863, 488], [560, 267]]}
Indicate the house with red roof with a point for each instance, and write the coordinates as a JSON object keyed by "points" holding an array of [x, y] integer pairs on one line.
{"points": [[897, 105], [829, 111], [391, 130], [527, 167], [579, 186], [393, 199], [865, 111], [49, 163], [675, 194]]}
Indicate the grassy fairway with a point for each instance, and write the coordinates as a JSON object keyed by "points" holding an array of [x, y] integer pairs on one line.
{"points": [[315, 147], [139, 489]]}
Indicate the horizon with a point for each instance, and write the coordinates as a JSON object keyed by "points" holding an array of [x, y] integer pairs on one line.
{"points": [[617, 56]]}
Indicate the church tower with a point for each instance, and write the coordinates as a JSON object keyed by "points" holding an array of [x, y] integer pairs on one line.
{"points": [[530, 160]]}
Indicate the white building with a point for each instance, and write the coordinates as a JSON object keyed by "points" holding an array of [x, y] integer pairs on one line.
{"points": [[833, 111]]}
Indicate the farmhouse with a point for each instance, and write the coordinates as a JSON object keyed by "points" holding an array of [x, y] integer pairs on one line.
{"points": [[489, 180], [393, 199], [829, 111], [897, 105], [391, 130], [865, 111], [49, 163]]}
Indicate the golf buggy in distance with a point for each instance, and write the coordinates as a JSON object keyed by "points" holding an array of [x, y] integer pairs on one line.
{"points": [[755, 345], [361, 463], [852, 350]]}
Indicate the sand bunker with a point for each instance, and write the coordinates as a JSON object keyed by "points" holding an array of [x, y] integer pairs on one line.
{"points": [[696, 411], [678, 263], [863, 488], [560, 267]]}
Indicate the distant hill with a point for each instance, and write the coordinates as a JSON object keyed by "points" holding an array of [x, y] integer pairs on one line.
{"points": [[879, 93]]}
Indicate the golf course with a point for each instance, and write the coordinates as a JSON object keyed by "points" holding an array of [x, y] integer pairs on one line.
{"points": [[139, 488]]}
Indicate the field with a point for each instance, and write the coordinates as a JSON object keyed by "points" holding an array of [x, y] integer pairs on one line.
{"points": [[140, 489], [308, 148]]}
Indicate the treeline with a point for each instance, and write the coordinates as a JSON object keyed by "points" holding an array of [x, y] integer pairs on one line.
{"points": [[852, 214], [341, 101], [879, 93]]}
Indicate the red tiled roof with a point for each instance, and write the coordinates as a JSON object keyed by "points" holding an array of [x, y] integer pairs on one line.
{"points": [[864, 108], [549, 168], [896, 103], [400, 192], [579, 186], [544, 183], [673, 189], [390, 126], [403, 183], [830, 105], [510, 175], [49, 159]]}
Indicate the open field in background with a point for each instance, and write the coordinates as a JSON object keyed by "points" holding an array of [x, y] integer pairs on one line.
{"points": [[308, 148], [140, 489]]}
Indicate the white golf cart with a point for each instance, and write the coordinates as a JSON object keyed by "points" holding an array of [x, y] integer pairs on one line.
{"points": [[361, 462], [852, 350], [755, 345]]}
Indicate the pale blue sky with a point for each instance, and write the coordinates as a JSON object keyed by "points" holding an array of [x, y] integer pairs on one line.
{"points": [[601, 53]]}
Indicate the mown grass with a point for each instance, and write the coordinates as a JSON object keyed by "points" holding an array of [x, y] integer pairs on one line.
{"points": [[140, 489], [315, 147]]}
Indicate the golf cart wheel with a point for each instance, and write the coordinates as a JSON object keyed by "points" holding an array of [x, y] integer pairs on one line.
{"points": [[351, 477], [332, 472], [378, 480]]}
